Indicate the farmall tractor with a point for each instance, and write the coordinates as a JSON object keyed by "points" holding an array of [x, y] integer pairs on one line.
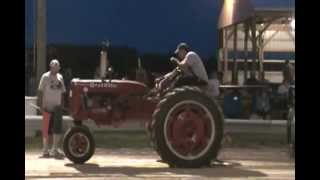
{"points": [[185, 124]]}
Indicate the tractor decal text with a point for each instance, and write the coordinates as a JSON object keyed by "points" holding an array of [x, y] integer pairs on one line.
{"points": [[103, 85]]}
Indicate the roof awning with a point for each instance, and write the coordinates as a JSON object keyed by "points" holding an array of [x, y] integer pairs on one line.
{"points": [[237, 11]]}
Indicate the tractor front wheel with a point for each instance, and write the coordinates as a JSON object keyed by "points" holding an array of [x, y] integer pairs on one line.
{"points": [[78, 144]]}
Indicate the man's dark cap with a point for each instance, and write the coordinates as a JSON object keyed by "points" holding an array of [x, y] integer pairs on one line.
{"points": [[182, 46]]}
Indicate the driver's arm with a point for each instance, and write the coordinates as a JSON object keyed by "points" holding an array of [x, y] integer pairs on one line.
{"points": [[183, 65], [168, 75], [186, 63]]}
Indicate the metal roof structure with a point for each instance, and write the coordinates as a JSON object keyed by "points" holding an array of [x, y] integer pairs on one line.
{"points": [[272, 4], [237, 11], [265, 24]]}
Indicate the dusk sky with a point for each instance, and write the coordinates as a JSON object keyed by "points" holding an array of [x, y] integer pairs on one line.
{"points": [[149, 26]]}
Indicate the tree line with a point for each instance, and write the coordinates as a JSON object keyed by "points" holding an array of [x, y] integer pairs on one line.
{"points": [[83, 60]]}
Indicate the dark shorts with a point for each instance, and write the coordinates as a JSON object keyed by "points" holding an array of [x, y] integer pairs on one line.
{"points": [[191, 81], [55, 123]]}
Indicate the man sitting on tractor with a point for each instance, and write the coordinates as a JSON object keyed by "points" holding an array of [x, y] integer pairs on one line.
{"points": [[192, 66]]}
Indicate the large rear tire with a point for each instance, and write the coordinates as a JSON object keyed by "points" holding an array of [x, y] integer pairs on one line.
{"points": [[78, 144], [187, 128]]}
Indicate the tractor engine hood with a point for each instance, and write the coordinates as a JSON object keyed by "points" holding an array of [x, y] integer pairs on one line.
{"points": [[117, 88], [114, 85]]}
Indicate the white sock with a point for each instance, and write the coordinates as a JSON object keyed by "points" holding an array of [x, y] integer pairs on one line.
{"points": [[45, 145], [56, 140]]}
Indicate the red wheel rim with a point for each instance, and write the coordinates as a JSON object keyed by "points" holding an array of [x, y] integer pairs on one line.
{"points": [[189, 129], [78, 144]]}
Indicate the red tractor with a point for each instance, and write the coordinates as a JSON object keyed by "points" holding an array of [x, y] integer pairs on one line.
{"points": [[185, 124]]}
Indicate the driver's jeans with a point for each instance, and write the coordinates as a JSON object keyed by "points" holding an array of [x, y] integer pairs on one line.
{"points": [[190, 81]]}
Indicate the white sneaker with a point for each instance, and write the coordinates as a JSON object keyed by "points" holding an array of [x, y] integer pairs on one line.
{"points": [[45, 154], [56, 154]]}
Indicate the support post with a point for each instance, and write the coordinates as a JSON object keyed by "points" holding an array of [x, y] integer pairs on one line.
{"points": [[246, 33], [254, 47], [220, 51], [225, 55], [220, 60], [260, 54], [235, 68], [41, 37]]}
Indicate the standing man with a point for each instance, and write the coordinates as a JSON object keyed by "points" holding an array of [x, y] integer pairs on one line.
{"points": [[50, 100]]}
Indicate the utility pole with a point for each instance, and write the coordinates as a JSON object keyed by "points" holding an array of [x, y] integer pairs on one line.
{"points": [[41, 40]]}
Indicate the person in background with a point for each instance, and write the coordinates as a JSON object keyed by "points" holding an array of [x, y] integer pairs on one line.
{"points": [[283, 93], [253, 93], [283, 89], [213, 84], [288, 72], [68, 77], [51, 100], [263, 104]]}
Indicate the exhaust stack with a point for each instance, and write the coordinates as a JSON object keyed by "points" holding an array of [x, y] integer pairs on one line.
{"points": [[104, 62]]}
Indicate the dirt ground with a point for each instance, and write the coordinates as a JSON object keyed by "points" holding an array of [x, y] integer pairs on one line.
{"points": [[238, 163]]}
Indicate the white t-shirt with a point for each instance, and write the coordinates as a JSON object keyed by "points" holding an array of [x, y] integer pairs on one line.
{"points": [[52, 88], [195, 63]]}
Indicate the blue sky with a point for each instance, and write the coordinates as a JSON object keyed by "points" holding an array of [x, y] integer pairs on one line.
{"points": [[149, 26]]}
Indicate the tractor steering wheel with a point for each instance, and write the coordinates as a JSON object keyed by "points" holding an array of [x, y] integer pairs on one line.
{"points": [[176, 62]]}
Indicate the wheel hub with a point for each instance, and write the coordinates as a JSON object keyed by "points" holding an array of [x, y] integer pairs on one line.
{"points": [[187, 130], [79, 145]]}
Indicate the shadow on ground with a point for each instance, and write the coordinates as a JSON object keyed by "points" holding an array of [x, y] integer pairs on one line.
{"points": [[224, 169]]}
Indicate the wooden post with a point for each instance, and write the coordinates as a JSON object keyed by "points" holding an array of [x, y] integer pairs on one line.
{"points": [[225, 55], [246, 33], [220, 60], [261, 52], [234, 70], [220, 51], [41, 37], [254, 46]]}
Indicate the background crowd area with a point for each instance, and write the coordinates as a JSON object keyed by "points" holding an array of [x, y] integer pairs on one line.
{"points": [[267, 100]]}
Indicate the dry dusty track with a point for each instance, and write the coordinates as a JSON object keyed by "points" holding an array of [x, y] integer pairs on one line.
{"points": [[239, 163]]}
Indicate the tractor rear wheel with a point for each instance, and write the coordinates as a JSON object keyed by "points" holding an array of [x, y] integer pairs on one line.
{"points": [[187, 128], [78, 144]]}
